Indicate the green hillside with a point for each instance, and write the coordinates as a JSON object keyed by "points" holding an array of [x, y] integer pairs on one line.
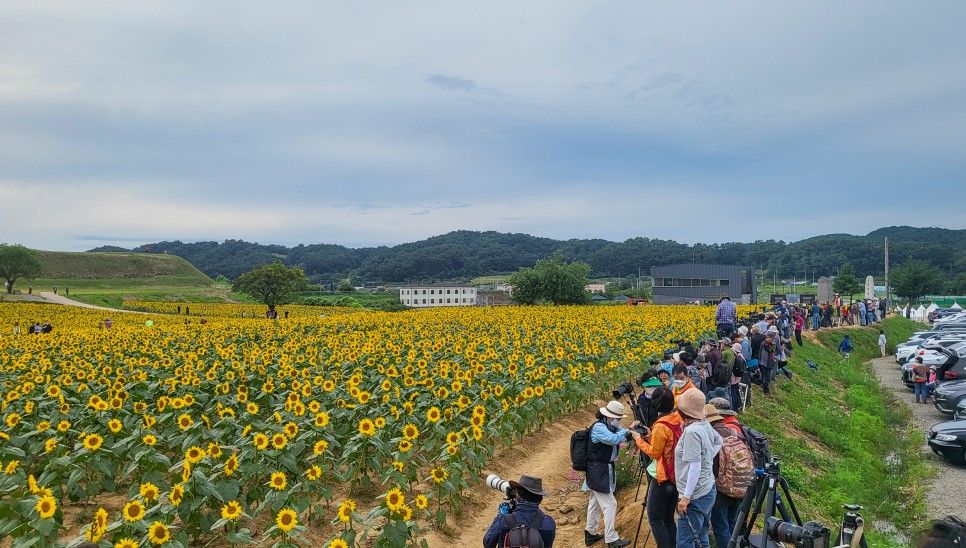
{"points": [[107, 279]]}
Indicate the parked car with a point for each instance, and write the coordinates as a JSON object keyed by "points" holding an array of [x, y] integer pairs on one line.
{"points": [[960, 411], [949, 440], [951, 318], [951, 364], [943, 338], [940, 312], [949, 395], [951, 326]]}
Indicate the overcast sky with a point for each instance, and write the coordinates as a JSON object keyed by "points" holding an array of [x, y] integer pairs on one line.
{"points": [[369, 123]]}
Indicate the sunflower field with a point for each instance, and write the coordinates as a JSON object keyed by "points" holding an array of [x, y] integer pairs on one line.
{"points": [[325, 428]]}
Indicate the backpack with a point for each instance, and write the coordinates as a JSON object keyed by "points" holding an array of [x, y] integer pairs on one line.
{"points": [[676, 432], [722, 374], [736, 465], [580, 449], [738, 369], [523, 535], [758, 444]]}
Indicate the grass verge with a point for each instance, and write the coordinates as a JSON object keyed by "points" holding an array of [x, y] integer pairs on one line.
{"points": [[839, 443]]}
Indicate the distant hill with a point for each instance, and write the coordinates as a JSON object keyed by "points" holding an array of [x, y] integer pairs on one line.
{"points": [[467, 254], [127, 265]]}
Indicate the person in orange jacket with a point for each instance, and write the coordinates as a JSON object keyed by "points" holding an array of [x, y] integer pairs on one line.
{"points": [[662, 494]]}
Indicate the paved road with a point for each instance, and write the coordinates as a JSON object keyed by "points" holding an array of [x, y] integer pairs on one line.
{"points": [[50, 297], [947, 494]]}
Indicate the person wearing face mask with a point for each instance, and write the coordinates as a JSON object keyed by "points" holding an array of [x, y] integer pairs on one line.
{"points": [[645, 400], [601, 480], [682, 382], [662, 493]]}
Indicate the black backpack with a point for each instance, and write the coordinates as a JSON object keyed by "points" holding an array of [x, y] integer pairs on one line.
{"points": [[738, 369], [580, 449], [523, 535], [722, 374]]}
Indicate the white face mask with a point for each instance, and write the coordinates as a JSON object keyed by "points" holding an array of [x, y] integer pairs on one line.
{"points": [[649, 391], [615, 423], [679, 383]]}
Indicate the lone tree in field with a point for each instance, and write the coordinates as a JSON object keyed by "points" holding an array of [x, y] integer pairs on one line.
{"points": [[16, 261], [846, 282], [274, 284], [551, 280], [916, 279]]}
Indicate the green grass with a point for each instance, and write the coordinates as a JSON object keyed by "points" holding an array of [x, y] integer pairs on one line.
{"points": [[841, 439]]}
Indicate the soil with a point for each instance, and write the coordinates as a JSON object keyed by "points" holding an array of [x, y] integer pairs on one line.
{"points": [[545, 454], [945, 494]]}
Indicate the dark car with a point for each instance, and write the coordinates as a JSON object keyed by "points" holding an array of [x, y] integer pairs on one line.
{"points": [[949, 440], [948, 395], [940, 312], [960, 411]]}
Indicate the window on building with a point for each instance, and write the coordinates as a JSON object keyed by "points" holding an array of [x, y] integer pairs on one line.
{"points": [[725, 282], [424, 301]]}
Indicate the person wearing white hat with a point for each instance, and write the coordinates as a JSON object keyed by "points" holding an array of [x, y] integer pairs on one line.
{"points": [[693, 465], [606, 436]]}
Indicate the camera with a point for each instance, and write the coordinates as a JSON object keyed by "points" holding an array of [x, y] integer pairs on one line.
{"points": [[808, 535], [642, 430], [624, 389], [494, 481]]}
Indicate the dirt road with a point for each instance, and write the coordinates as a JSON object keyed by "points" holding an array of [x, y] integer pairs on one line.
{"points": [[946, 494]]}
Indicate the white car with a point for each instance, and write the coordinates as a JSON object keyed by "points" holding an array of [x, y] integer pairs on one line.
{"points": [[905, 350], [952, 318], [934, 355]]}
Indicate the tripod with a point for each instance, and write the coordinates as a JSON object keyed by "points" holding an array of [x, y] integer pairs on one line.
{"points": [[763, 494], [641, 472]]}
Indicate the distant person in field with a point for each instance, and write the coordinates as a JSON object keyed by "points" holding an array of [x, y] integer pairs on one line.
{"points": [[845, 348], [816, 313], [920, 374], [16, 328], [725, 316], [108, 323], [862, 314], [882, 343]]}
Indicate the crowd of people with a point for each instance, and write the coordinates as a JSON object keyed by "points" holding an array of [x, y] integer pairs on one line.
{"points": [[36, 328]]}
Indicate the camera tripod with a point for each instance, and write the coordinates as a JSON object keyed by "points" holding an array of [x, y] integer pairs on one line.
{"points": [[641, 472], [763, 495]]}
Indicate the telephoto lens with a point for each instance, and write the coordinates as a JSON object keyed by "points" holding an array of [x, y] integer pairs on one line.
{"points": [[494, 481]]}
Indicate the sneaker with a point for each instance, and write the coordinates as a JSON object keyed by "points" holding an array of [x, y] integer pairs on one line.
{"points": [[590, 539], [619, 543]]}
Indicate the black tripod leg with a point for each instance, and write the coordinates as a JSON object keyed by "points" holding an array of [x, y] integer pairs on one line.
{"points": [[640, 477], [791, 502], [643, 509], [742, 526]]}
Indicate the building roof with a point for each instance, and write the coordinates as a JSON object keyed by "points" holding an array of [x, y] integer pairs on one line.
{"points": [[437, 286]]}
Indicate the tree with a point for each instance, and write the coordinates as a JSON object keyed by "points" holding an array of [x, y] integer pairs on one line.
{"points": [[551, 280], [274, 284], [916, 278], [846, 282], [16, 261], [959, 284]]}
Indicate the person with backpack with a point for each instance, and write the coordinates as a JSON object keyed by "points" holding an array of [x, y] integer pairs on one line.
{"points": [[734, 468], [693, 465], [606, 435], [738, 371], [645, 401], [527, 525], [719, 382], [729, 416], [920, 377], [662, 493]]}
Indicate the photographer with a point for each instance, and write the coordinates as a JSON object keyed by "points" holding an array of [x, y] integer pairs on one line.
{"points": [[662, 494], [645, 402], [606, 436], [529, 495]]}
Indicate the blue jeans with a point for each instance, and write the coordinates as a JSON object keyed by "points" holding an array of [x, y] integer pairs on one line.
{"points": [[814, 323], [921, 389], [699, 518], [724, 517]]}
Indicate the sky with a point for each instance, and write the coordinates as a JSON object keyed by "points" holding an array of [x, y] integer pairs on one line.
{"points": [[376, 123]]}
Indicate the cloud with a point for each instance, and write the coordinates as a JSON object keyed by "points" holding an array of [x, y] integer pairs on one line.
{"points": [[451, 83]]}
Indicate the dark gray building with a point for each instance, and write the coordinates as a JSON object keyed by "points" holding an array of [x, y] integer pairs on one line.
{"points": [[705, 283]]}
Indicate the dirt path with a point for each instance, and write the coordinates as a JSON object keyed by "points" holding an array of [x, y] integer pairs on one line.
{"points": [[51, 297], [945, 495], [545, 454]]}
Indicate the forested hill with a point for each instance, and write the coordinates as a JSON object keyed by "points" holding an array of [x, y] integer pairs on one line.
{"points": [[465, 254]]}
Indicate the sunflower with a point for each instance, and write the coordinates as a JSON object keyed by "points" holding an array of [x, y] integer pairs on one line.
{"points": [[231, 465], [313, 473], [261, 441], [337, 543], [214, 450], [279, 441], [114, 425], [397, 466], [185, 422], [291, 430], [100, 519], [126, 543], [231, 510], [158, 533], [278, 481], [439, 475], [149, 491], [410, 431], [133, 511], [452, 450], [433, 414], [13, 419], [345, 510], [395, 499], [405, 445], [252, 408], [176, 494], [421, 501], [380, 422], [286, 519], [43, 426], [63, 426], [149, 439], [406, 513], [93, 442], [320, 447], [50, 445], [194, 454], [366, 428], [453, 438], [46, 506]]}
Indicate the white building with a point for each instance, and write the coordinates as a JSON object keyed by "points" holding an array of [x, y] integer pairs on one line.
{"points": [[425, 296]]}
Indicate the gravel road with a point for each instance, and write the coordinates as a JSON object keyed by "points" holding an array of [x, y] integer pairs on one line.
{"points": [[947, 494]]}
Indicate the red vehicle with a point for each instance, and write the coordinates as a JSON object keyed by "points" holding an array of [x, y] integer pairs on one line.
{"points": [[635, 302]]}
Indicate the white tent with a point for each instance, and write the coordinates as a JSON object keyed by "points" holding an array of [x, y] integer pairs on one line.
{"points": [[918, 314], [932, 308], [956, 306]]}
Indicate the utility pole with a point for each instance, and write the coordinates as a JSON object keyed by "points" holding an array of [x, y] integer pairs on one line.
{"points": [[888, 301]]}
